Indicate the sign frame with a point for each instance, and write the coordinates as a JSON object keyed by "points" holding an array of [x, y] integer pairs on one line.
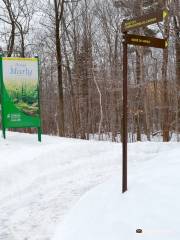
{"points": [[9, 111]]}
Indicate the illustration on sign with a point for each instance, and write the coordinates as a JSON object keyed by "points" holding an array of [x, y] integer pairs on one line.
{"points": [[21, 83]]}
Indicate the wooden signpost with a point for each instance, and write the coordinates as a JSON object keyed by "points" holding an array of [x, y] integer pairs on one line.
{"points": [[145, 41]]}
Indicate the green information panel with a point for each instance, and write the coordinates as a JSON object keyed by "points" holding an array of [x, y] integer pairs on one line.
{"points": [[20, 93]]}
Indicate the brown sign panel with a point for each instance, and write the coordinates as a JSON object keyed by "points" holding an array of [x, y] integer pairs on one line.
{"points": [[143, 21], [146, 41]]}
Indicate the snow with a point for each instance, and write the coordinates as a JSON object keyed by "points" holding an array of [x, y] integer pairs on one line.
{"points": [[40, 182], [151, 203], [67, 189]]}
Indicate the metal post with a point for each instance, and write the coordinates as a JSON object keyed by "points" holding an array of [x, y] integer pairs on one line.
{"points": [[2, 94], [39, 129], [4, 132], [125, 105], [39, 134]]}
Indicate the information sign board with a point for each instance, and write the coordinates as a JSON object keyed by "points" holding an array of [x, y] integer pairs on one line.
{"points": [[20, 93]]}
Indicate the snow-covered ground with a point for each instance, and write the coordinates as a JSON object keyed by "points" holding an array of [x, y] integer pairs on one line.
{"points": [[41, 185], [152, 203], [40, 182]]}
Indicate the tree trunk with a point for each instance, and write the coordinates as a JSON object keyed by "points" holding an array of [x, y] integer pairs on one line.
{"points": [[58, 17], [166, 116], [177, 47]]}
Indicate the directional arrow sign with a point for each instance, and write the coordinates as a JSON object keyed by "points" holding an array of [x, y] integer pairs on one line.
{"points": [[143, 21], [146, 41]]}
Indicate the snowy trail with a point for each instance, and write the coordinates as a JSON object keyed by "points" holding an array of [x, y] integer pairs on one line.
{"points": [[39, 183]]}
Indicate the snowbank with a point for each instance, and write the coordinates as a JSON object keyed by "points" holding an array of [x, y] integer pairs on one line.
{"points": [[151, 204]]}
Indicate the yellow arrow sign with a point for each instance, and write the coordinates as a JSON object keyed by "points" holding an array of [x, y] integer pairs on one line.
{"points": [[165, 13], [166, 44], [144, 21]]}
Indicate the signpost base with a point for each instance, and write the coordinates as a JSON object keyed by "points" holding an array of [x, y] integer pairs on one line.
{"points": [[38, 130]]}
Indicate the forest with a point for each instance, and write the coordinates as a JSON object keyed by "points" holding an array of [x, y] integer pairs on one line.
{"points": [[80, 47]]}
